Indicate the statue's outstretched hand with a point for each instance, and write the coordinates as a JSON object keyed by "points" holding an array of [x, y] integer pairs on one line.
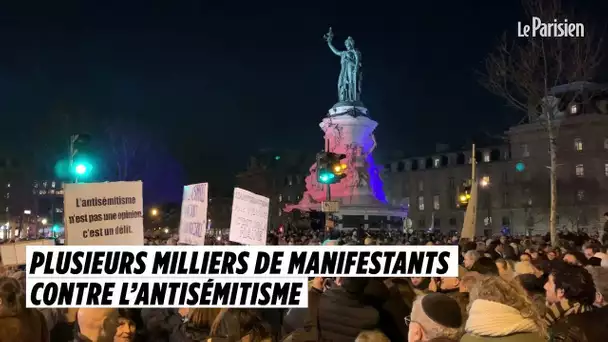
{"points": [[329, 35]]}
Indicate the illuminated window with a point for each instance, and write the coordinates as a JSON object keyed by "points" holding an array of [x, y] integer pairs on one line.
{"points": [[44, 184], [580, 195], [8, 185], [574, 109], [606, 170], [606, 144], [486, 157], [524, 150], [436, 204], [437, 162], [53, 184], [580, 170], [8, 195], [420, 203], [578, 144], [406, 201], [280, 198]]}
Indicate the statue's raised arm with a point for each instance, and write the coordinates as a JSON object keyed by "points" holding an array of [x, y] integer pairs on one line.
{"points": [[329, 36]]}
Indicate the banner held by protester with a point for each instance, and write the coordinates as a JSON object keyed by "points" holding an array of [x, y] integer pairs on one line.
{"points": [[193, 222], [249, 220], [104, 213]]}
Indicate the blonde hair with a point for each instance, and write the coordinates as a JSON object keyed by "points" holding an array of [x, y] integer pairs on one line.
{"points": [[525, 267], [506, 269], [509, 293], [372, 336]]}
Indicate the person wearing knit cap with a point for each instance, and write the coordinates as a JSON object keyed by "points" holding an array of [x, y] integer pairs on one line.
{"points": [[434, 316]]}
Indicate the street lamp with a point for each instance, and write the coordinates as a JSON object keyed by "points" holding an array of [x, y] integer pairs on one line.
{"points": [[154, 212], [44, 221], [485, 181]]}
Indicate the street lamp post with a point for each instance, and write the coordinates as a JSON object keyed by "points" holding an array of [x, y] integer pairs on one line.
{"points": [[485, 184]]}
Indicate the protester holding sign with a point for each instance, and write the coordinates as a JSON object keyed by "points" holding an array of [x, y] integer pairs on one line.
{"points": [[104, 214]]}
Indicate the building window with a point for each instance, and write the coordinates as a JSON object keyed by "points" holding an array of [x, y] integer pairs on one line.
{"points": [[486, 157], [420, 203], [420, 186], [422, 223], [35, 185], [505, 199], [436, 162], [580, 170], [574, 109], [452, 221], [280, 198], [6, 209], [436, 204], [405, 202], [8, 185], [422, 164], [44, 184], [605, 143], [524, 150], [53, 184], [436, 223], [8, 195], [580, 195], [506, 221], [606, 169], [578, 144]]}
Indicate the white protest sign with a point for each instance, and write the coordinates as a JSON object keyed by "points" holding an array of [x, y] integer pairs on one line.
{"points": [[249, 220], [104, 214], [13, 254], [193, 222]]}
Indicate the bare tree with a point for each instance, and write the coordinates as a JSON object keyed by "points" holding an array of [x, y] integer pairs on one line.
{"points": [[129, 151], [525, 71]]}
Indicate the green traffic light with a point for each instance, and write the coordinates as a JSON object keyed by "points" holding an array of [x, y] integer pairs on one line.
{"points": [[81, 169], [326, 177]]}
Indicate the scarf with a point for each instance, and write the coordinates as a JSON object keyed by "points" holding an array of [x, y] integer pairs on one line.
{"points": [[556, 311], [492, 319]]}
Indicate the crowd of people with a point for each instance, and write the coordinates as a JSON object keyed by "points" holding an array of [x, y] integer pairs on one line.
{"points": [[507, 289]]}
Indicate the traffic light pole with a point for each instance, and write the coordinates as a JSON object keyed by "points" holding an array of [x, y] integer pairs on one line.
{"points": [[72, 152], [328, 193]]}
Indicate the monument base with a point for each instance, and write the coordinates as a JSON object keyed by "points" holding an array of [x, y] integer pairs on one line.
{"points": [[349, 131]]}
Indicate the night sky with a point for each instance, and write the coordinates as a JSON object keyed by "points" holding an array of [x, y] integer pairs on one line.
{"points": [[214, 83]]}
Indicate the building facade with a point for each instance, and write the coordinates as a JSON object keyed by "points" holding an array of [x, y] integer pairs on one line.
{"points": [[514, 177], [278, 175]]}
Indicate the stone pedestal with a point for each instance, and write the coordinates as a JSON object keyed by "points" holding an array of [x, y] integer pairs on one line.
{"points": [[349, 130]]}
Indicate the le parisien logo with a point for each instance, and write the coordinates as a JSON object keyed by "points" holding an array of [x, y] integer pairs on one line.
{"points": [[553, 29]]}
